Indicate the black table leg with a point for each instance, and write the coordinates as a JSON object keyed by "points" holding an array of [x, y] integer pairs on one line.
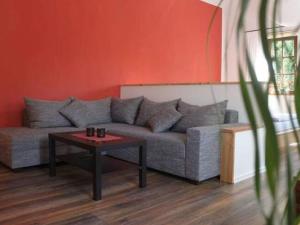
{"points": [[143, 166], [97, 172], [52, 156]]}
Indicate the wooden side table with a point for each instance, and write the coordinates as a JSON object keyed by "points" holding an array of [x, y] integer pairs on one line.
{"points": [[238, 152]]}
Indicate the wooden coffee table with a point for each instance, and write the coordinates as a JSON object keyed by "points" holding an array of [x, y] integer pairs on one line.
{"points": [[96, 149]]}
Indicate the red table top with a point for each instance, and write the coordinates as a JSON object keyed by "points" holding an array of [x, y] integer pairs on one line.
{"points": [[107, 137]]}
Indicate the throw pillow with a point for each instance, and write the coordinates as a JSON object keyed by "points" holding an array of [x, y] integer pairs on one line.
{"points": [[125, 110], [78, 114], [101, 108], [43, 113], [164, 120], [196, 116], [149, 108]]}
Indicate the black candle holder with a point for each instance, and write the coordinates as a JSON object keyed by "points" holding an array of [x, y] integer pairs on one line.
{"points": [[101, 132], [90, 131]]}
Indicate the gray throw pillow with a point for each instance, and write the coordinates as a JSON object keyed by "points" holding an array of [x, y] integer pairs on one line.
{"points": [[43, 113], [101, 108], [78, 114], [149, 108], [164, 120], [197, 116], [125, 110]]}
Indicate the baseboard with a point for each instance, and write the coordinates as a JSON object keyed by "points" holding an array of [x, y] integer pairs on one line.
{"points": [[247, 175]]}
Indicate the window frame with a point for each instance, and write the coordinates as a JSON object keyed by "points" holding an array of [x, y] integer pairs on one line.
{"points": [[282, 39]]}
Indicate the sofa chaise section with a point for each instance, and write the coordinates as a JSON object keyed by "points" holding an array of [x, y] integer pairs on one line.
{"points": [[23, 147]]}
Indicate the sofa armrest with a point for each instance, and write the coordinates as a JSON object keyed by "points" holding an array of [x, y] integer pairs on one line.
{"points": [[203, 152]]}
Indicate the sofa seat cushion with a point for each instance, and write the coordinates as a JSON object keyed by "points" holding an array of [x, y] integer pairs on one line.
{"points": [[157, 142], [165, 151], [21, 147], [23, 138]]}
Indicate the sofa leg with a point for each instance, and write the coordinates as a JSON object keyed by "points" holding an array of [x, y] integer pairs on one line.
{"points": [[17, 170], [194, 182], [199, 182]]}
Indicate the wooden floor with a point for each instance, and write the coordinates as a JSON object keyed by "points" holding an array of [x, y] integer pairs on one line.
{"points": [[30, 196]]}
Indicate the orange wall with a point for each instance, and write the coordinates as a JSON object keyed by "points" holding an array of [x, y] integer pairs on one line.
{"points": [[88, 48]]}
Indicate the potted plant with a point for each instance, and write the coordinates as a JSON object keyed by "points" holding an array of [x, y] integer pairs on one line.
{"points": [[282, 188]]}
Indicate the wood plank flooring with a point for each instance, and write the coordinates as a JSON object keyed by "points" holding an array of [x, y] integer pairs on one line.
{"points": [[30, 196]]}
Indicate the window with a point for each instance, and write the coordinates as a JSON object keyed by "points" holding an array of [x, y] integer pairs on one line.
{"points": [[284, 56]]}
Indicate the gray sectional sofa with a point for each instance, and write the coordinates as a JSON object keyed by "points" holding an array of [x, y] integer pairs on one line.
{"points": [[193, 154]]}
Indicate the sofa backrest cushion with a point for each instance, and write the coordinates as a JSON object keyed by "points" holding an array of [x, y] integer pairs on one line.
{"points": [[149, 108], [79, 114], [101, 108], [164, 120], [43, 113], [197, 116], [125, 110]]}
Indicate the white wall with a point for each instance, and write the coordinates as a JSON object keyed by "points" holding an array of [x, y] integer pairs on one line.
{"points": [[230, 55], [290, 17], [230, 49], [198, 94]]}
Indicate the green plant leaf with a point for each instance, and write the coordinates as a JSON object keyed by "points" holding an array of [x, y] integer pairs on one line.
{"points": [[251, 116], [272, 150], [290, 191]]}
